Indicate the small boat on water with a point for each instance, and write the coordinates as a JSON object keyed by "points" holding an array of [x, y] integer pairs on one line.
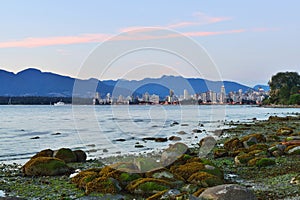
{"points": [[60, 103]]}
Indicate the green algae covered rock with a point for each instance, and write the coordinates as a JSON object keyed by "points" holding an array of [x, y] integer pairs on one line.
{"points": [[148, 186], [204, 179], [233, 144], [66, 155], [45, 166], [264, 162], [103, 185]]}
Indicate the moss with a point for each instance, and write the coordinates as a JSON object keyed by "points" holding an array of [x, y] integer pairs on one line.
{"points": [[286, 150], [244, 158], [158, 195], [265, 162], [262, 147], [148, 185], [83, 178], [233, 144], [219, 153], [260, 137], [198, 192], [187, 169], [45, 166], [216, 172], [204, 179], [102, 185], [66, 155], [128, 177]]}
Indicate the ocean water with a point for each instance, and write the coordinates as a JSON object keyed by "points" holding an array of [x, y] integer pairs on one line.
{"points": [[26, 130]]}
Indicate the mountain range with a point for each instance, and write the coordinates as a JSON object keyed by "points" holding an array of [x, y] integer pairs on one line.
{"points": [[33, 82]]}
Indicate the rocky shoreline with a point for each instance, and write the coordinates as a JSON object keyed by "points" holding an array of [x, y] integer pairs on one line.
{"points": [[255, 160]]}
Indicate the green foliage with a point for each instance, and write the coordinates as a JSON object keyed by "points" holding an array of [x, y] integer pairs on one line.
{"points": [[294, 99], [284, 87]]}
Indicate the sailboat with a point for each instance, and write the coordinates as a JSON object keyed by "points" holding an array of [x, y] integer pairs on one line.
{"points": [[9, 101]]}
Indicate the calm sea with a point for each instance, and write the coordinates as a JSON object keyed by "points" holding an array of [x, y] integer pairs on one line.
{"points": [[25, 130]]}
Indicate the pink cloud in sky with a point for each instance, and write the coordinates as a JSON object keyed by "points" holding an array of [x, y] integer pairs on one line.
{"points": [[201, 19], [96, 38], [50, 41]]}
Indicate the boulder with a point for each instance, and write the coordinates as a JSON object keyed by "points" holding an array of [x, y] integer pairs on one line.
{"points": [[103, 185], [259, 138], [161, 139], [227, 191], [65, 154], [80, 155], [251, 141], [294, 151], [45, 166], [204, 179], [233, 144], [44, 153], [174, 138], [148, 186], [284, 131]]}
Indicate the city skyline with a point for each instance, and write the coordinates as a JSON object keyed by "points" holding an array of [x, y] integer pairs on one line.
{"points": [[248, 41]]}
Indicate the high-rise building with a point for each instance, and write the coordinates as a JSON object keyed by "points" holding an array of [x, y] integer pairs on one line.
{"points": [[223, 95], [186, 94]]}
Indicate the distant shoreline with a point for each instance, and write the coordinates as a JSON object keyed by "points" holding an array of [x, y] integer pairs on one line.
{"points": [[281, 106]]}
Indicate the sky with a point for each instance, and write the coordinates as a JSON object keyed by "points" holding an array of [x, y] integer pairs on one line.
{"points": [[247, 41]]}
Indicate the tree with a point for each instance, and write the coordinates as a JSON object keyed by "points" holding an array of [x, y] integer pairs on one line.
{"points": [[283, 86]]}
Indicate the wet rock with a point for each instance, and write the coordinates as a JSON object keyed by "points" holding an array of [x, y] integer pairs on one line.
{"points": [[187, 169], [244, 158], [120, 140], [204, 179], [161, 139], [139, 146], [260, 138], [228, 191], [294, 151], [35, 138], [251, 141], [172, 153], [174, 138], [146, 164], [284, 131], [148, 186], [296, 180], [196, 131], [233, 144], [44, 153], [65, 154], [105, 150], [80, 155], [175, 123], [264, 162], [103, 185], [45, 166], [181, 133], [56, 134], [149, 138], [184, 125], [170, 194], [220, 153]]}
